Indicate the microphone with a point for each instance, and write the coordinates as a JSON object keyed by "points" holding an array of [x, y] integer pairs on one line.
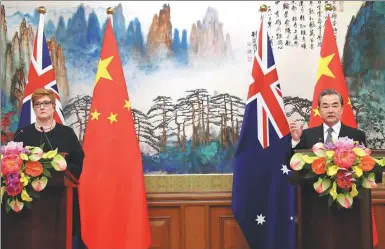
{"points": [[46, 137], [21, 131]]}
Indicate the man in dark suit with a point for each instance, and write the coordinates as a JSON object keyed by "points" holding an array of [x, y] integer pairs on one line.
{"points": [[330, 106]]}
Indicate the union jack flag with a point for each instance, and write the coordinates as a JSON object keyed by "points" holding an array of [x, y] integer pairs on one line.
{"points": [[267, 90], [41, 75], [262, 198]]}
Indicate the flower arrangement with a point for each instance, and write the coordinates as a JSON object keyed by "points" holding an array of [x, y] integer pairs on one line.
{"points": [[343, 168], [25, 172]]}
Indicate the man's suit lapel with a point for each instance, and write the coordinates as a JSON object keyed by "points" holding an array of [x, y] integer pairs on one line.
{"points": [[320, 133], [343, 131]]}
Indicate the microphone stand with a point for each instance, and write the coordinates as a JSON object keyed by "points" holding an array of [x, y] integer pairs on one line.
{"points": [[46, 137]]}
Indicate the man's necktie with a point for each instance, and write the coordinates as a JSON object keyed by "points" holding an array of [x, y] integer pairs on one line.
{"points": [[329, 135]]}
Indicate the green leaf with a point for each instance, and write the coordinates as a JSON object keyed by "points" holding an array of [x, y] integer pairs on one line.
{"points": [[307, 166], [28, 205], [339, 206], [33, 194], [47, 173], [310, 175], [330, 201], [47, 164], [7, 208]]}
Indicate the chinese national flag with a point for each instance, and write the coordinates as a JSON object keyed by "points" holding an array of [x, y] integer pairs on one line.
{"points": [[112, 197], [330, 75]]}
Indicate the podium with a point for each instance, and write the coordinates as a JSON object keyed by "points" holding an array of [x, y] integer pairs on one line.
{"points": [[324, 227], [48, 224]]}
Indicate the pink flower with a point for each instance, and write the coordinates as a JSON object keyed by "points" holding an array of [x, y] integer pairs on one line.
{"points": [[345, 200], [36, 154], [13, 148], [344, 158], [39, 184], [13, 184], [59, 163], [11, 163], [16, 205], [360, 146], [329, 146], [319, 149], [344, 143]]}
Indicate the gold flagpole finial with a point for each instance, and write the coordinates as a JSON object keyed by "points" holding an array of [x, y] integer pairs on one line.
{"points": [[263, 8], [42, 10], [110, 11], [328, 7]]}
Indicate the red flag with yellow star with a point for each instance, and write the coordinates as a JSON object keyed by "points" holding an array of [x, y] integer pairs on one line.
{"points": [[330, 75], [112, 198]]}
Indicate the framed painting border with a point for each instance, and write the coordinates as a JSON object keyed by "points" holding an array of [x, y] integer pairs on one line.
{"points": [[195, 183]]}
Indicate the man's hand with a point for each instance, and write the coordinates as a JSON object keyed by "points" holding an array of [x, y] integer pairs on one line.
{"points": [[296, 131]]}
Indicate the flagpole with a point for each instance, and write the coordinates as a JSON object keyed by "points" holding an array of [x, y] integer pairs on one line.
{"points": [[263, 9], [328, 9], [42, 10], [40, 30], [110, 12]]}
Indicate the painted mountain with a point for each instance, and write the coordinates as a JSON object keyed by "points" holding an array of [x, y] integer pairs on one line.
{"points": [[364, 67], [180, 135], [195, 131]]}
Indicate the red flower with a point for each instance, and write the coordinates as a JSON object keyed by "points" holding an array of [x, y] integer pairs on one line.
{"points": [[33, 168], [344, 179], [319, 166], [367, 163]]}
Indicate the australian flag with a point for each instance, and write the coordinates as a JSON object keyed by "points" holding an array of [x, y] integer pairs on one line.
{"points": [[262, 198], [41, 75]]}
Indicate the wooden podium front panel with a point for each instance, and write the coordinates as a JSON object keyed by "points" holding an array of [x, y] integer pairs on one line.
{"points": [[42, 227], [225, 231], [205, 220], [193, 221], [165, 228], [195, 231]]}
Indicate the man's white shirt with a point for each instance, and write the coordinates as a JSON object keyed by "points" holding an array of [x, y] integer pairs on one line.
{"points": [[336, 131]]}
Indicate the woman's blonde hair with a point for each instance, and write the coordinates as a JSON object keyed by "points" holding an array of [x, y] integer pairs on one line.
{"points": [[41, 92]]}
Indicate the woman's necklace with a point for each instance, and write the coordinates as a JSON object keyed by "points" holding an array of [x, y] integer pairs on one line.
{"points": [[38, 127]]}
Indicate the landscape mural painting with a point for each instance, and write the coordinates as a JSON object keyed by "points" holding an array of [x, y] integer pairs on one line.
{"points": [[188, 65]]}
